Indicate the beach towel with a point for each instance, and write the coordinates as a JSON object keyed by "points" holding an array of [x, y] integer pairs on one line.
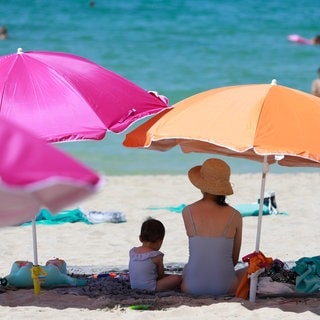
{"points": [[251, 209], [308, 270], [245, 209], [66, 216], [78, 215]]}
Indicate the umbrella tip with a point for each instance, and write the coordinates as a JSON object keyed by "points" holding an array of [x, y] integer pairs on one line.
{"points": [[19, 50], [274, 81], [164, 99]]}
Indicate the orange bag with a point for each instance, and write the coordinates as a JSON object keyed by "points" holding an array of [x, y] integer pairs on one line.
{"points": [[256, 260]]}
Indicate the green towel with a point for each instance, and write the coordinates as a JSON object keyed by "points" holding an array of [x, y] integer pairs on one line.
{"points": [[251, 209], [308, 270], [246, 210], [70, 216]]}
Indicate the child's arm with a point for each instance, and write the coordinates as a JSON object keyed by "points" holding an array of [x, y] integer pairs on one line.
{"points": [[158, 261]]}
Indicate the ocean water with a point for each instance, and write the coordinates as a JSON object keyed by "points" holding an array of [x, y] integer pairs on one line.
{"points": [[176, 47]]}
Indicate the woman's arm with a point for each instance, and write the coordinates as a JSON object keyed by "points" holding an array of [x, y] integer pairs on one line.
{"points": [[237, 240], [187, 221]]}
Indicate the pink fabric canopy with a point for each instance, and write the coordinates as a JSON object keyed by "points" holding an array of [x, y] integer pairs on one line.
{"points": [[35, 175], [64, 97]]}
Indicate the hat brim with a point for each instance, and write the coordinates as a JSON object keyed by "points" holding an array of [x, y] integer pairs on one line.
{"points": [[212, 187]]}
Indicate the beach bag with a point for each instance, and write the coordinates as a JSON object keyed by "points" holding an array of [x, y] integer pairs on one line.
{"points": [[105, 216], [256, 261]]}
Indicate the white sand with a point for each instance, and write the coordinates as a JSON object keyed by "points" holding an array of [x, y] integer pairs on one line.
{"points": [[287, 237]]}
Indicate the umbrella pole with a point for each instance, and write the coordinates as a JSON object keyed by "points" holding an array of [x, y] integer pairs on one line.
{"points": [[265, 169], [254, 276], [35, 245], [36, 269]]}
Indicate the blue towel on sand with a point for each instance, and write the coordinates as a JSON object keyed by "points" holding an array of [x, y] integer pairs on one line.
{"points": [[246, 210], [70, 216], [76, 215], [251, 209]]}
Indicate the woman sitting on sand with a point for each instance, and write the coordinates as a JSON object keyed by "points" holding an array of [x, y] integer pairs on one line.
{"points": [[146, 267], [215, 232]]}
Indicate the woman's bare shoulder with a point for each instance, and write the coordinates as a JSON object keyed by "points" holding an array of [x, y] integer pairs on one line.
{"points": [[236, 213]]}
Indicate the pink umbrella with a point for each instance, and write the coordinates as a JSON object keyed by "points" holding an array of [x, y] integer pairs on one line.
{"points": [[64, 97], [36, 175]]}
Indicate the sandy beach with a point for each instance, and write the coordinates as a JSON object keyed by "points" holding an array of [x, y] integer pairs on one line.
{"points": [[285, 236]]}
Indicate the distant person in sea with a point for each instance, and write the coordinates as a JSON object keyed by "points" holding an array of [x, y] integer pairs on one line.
{"points": [[146, 267], [214, 229], [315, 87], [316, 40], [3, 33], [301, 40]]}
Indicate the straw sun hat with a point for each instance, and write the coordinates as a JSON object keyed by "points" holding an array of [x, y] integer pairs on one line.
{"points": [[212, 177]]}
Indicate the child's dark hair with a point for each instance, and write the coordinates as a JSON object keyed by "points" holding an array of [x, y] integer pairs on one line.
{"points": [[152, 230]]}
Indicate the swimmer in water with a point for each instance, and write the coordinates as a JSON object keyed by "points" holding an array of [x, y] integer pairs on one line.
{"points": [[3, 33]]}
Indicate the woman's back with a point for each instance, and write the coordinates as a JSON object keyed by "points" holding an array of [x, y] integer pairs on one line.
{"points": [[210, 268]]}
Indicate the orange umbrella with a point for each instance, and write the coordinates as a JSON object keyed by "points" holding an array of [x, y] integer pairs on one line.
{"points": [[246, 121], [263, 122]]}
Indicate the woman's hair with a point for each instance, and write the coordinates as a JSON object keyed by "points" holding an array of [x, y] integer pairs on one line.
{"points": [[220, 200], [152, 230]]}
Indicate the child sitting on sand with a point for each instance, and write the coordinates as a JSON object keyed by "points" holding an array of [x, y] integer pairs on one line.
{"points": [[146, 267]]}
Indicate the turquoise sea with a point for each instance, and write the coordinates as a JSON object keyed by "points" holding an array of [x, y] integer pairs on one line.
{"points": [[176, 47]]}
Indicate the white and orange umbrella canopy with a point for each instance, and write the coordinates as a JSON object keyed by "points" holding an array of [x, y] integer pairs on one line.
{"points": [[247, 121]]}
